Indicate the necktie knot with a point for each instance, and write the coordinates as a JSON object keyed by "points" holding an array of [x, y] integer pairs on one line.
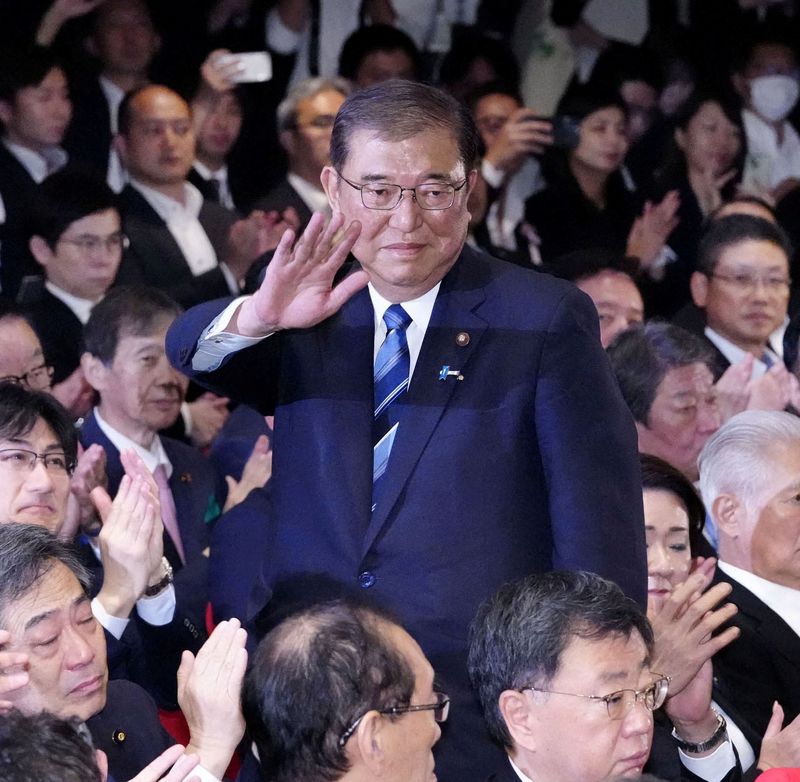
{"points": [[396, 317]]}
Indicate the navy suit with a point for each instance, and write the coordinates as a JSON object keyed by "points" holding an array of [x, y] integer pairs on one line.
{"points": [[527, 464]]}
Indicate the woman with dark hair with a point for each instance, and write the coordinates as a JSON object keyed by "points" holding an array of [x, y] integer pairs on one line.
{"points": [[703, 163]]}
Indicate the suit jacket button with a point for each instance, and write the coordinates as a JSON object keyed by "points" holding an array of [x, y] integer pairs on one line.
{"points": [[118, 737], [366, 579]]}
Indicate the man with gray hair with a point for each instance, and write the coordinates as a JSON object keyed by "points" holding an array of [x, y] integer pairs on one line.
{"points": [[305, 120], [750, 482]]}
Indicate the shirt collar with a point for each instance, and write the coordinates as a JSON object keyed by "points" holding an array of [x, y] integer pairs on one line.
{"points": [[419, 309], [519, 772], [81, 308], [221, 174], [168, 208], [38, 164], [152, 456], [313, 197], [735, 354], [113, 95]]}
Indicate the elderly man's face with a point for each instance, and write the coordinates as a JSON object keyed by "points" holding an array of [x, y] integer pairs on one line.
{"points": [[21, 354], [574, 737], [406, 250], [53, 624], [684, 414], [772, 529]]}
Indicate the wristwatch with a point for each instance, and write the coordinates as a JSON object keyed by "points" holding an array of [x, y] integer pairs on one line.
{"points": [[717, 737], [163, 582]]}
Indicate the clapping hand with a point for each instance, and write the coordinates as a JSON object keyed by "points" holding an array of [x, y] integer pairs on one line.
{"points": [[13, 672], [257, 471]]}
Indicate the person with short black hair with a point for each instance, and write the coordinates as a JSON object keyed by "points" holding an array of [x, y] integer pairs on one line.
{"points": [[377, 52]]}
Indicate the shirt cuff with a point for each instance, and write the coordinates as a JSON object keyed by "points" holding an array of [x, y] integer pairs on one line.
{"points": [[713, 767], [113, 624], [215, 344], [202, 774], [279, 37], [494, 177], [186, 415], [658, 267], [158, 610]]}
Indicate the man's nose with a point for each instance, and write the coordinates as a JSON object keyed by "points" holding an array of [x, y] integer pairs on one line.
{"points": [[39, 478], [77, 649], [639, 720], [407, 214]]}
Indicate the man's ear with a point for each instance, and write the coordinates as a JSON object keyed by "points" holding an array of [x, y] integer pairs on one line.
{"points": [[287, 141], [6, 112], [728, 511], [41, 251], [515, 709], [680, 138], [95, 371], [741, 85], [330, 184], [369, 743], [698, 284]]}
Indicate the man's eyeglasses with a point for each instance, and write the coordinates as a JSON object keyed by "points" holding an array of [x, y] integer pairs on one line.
{"points": [[433, 196], [90, 243], [21, 460], [440, 711], [747, 283], [619, 703], [36, 379]]}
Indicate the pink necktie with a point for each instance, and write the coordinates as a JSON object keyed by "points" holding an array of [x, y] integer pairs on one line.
{"points": [[168, 513]]}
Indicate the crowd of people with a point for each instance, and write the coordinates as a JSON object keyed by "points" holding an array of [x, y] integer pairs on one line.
{"points": [[418, 399]]}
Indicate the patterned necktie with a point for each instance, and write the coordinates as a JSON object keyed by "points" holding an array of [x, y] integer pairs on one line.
{"points": [[169, 514], [391, 382]]}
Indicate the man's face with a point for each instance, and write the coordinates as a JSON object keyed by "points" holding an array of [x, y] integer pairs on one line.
{"points": [[53, 624], [406, 250], [491, 114], [412, 735], [308, 143], [140, 392], [38, 115], [683, 416], [221, 128], [124, 38], [38, 496], [747, 296], [383, 65], [618, 301], [771, 59], [86, 257], [772, 529], [21, 354], [574, 738], [159, 147]]}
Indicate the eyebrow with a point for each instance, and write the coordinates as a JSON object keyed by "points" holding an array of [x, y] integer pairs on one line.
{"points": [[385, 178], [671, 529], [614, 676], [54, 446], [37, 620]]}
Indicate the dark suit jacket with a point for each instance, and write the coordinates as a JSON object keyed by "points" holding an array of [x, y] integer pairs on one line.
{"points": [[88, 137], [209, 191], [761, 666], [526, 465], [129, 710], [281, 197], [154, 257]]}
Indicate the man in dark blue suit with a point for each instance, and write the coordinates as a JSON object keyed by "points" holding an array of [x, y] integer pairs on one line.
{"points": [[511, 449]]}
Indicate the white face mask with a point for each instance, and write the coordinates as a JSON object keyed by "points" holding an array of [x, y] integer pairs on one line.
{"points": [[773, 97]]}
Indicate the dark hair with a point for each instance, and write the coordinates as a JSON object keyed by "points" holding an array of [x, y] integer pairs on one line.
{"points": [[743, 198], [582, 100], [658, 475], [519, 634], [733, 229], [767, 34], [622, 63], [470, 45], [312, 677], [44, 748], [492, 88], [375, 38], [396, 110], [642, 355], [130, 310], [588, 262], [64, 197], [21, 409], [27, 553], [24, 66]]}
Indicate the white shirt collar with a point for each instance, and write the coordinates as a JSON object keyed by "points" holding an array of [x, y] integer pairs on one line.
{"points": [[783, 600], [152, 457], [81, 308], [113, 95], [221, 174], [38, 164], [735, 354], [519, 772], [313, 197], [167, 207]]}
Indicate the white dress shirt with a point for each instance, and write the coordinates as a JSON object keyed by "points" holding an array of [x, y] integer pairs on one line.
{"points": [[80, 308], [116, 175], [768, 163], [313, 197], [220, 176], [735, 354]]}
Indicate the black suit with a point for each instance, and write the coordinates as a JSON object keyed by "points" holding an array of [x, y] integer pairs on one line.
{"points": [[210, 192], [88, 138], [154, 257], [281, 197]]}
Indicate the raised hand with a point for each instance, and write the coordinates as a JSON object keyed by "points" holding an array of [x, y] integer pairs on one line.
{"points": [[774, 390], [209, 412], [298, 290], [733, 388], [174, 762], [89, 473], [13, 672], [209, 691], [650, 231], [523, 135], [780, 748], [257, 471], [707, 187]]}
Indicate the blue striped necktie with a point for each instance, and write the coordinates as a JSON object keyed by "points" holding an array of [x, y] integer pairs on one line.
{"points": [[391, 381]]}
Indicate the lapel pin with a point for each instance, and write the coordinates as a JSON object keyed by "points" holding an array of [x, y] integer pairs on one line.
{"points": [[186, 477], [462, 339], [446, 372]]}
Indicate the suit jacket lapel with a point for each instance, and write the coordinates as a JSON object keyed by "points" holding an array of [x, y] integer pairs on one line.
{"points": [[451, 339]]}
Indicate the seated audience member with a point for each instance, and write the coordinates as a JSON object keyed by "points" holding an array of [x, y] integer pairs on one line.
{"points": [[586, 202], [748, 479], [376, 53], [44, 748], [608, 280], [665, 375], [512, 136], [742, 285], [305, 121], [191, 248], [341, 692], [35, 110], [703, 163], [57, 643], [140, 394]]}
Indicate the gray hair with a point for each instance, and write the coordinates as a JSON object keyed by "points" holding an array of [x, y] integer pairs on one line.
{"points": [[307, 88], [736, 457]]}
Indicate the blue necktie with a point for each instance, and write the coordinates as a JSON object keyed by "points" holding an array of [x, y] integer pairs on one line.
{"points": [[391, 382]]}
